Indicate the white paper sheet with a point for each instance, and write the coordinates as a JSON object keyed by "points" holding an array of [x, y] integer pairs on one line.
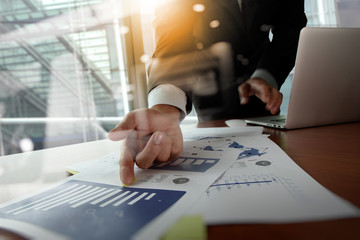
{"points": [[262, 185], [190, 134], [265, 186], [94, 205]]}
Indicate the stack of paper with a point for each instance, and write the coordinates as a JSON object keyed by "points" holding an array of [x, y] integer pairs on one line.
{"points": [[225, 175]]}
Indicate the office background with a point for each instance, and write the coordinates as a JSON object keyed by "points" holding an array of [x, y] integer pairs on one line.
{"points": [[71, 69]]}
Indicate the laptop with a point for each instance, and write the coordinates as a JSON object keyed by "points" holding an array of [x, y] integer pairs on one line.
{"points": [[326, 84]]}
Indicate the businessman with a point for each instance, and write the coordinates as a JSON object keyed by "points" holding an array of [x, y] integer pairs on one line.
{"points": [[261, 64]]}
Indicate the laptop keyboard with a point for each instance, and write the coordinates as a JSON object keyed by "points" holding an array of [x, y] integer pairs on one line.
{"points": [[281, 120]]}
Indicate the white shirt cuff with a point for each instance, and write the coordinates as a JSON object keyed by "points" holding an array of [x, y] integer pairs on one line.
{"points": [[266, 75], [168, 94]]}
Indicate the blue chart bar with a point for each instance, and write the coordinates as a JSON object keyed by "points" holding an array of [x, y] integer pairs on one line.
{"points": [[190, 164], [86, 210]]}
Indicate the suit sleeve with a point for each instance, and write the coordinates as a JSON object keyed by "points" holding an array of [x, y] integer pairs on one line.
{"points": [[174, 28], [279, 57], [174, 35]]}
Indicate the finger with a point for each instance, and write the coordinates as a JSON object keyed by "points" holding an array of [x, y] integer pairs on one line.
{"points": [[124, 128], [278, 104], [272, 101], [244, 93], [145, 158], [126, 162], [275, 102], [160, 147], [170, 149], [263, 92], [164, 153], [177, 148], [117, 134]]}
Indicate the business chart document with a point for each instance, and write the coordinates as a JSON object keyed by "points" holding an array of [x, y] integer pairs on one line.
{"points": [[227, 175], [94, 204], [264, 186]]}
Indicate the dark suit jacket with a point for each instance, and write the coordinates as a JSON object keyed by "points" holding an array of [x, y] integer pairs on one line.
{"points": [[179, 29]]}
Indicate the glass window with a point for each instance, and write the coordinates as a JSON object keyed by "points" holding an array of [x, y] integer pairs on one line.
{"points": [[71, 69], [66, 71]]}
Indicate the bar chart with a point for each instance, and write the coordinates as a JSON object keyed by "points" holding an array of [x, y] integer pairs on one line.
{"points": [[86, 210], [191, 164]]}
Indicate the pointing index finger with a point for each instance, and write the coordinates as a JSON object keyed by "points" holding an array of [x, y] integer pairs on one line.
{"points": [[126, 162]]}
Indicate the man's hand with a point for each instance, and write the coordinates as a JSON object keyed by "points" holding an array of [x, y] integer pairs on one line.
{"points": [[149, 135], [260, 88]]}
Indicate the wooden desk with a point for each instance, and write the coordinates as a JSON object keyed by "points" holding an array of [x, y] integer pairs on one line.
{"points": [[330, 154]]}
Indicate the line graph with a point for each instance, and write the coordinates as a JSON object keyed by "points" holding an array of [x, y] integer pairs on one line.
{"points": [[256, 182], [237, 183], [232, 182]]}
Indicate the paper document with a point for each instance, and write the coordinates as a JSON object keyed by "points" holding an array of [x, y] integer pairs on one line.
{"points": [[93, 204], [264, 186], [226, 175]]}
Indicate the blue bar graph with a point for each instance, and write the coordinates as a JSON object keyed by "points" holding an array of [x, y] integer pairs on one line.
{"points": [[87, 210], [190, 164]]}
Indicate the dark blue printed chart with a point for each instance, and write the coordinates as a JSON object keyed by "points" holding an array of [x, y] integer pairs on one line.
{"points": [[87, 210], [189, 164], [246, 151]]}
